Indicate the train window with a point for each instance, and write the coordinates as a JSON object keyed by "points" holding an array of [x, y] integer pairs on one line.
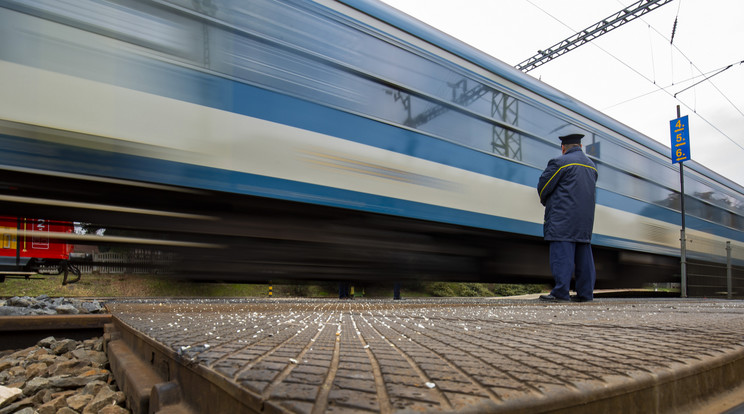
{"points": [[630, 177], [714, 202], [7, 241], [355, 71], [635, 186], [133, 22], [737, 221], [708, 206], [249, 59]]}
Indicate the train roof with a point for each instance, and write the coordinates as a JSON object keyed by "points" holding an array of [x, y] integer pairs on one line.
{"points": [[429, 34]]}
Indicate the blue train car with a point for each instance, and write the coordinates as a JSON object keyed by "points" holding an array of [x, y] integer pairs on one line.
{"points": [[346, 107]]}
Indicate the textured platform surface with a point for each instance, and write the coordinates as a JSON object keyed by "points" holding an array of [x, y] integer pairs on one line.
{"points": [[456, 355]]}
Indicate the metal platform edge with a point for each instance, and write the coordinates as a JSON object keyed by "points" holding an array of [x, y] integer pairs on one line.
{"points": [[678, 388], [156, 379]]}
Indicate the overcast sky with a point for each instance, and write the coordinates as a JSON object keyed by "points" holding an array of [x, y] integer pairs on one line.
{"points": [[631, 73]]}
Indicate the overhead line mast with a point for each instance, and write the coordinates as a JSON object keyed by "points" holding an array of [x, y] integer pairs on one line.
{"points": [[614, 21]]}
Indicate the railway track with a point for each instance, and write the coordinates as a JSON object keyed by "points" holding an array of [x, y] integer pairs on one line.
{"points": [[318, 356], [22, 331]]}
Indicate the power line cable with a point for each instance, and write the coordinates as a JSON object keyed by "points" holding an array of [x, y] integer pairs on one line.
{"points": [[694, 90], [593, 43], [651, 81], [679, 5], [661, 88], [697, 68], [651, 46]]}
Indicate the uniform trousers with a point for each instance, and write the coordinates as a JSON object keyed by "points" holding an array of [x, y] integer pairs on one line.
{"points": [[567, 258]]}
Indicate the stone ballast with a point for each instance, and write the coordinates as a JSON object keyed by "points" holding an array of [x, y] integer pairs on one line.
{"points": [[59, 376], [45, 305]]}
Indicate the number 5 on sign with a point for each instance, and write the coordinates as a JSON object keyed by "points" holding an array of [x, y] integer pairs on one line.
{"points": [[680, 130]]}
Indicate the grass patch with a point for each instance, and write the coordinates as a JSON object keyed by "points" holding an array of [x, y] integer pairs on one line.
{"points": [[450, 289], [95, 285], [131, 285]]}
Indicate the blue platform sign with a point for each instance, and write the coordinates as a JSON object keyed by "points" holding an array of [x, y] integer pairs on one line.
{"points": [[680, 129]]}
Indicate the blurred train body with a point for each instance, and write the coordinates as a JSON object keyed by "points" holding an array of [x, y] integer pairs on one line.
{"points": [[322, 139], [29, 244]]}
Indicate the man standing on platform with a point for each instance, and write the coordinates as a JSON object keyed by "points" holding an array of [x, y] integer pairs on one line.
{"points": [[567, 189]]}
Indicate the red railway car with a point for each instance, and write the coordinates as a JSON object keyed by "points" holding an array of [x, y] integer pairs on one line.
{"points": [[33, 245]]}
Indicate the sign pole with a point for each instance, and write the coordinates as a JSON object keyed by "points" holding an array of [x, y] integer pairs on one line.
{"points": [[682, 238]]}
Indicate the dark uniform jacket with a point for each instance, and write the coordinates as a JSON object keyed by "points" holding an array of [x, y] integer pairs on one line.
{"points": [[567, 189]]}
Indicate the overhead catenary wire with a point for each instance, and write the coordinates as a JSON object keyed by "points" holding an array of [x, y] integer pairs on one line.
{"points": [[651, 46], [663, 88], [700, 71], [694, 90], [679, 5], [652, 82]]}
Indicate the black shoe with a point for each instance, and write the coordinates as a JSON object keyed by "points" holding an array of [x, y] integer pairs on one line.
{"points": [[577, 298], [551, 298]]}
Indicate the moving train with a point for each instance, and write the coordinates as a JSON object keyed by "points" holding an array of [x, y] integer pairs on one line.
{"points": [[322, 139]]}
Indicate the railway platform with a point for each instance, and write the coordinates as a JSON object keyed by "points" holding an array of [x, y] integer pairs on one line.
{"points": [[446, 355]]}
